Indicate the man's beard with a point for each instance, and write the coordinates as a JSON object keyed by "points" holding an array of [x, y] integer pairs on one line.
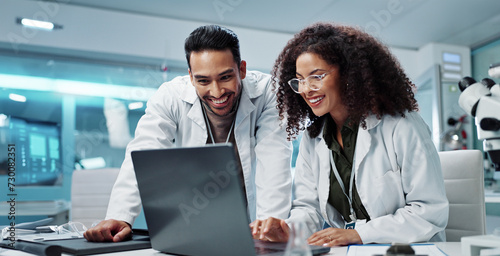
{"points": [[233, 109]]}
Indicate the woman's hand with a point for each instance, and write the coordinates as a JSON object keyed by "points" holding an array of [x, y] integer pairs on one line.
{"points": [[272, 229], [335, 237]]}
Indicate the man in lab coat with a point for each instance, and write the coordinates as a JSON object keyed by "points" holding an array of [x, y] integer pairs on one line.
{"points": [[220, 101]]}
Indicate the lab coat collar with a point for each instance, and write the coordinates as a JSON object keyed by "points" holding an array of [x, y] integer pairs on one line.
{"points": [[251, 89], [252, 86], [362, 149], [245, 107], [196, 113], [372, 121], [188, 95]]}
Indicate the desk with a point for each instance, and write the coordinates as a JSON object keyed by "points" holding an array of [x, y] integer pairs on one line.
{"points": [[58, 210], [490, 196], [492, 204], [450, 248]]}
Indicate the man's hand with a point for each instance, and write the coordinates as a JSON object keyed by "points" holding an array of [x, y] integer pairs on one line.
{"points": [[272, 229], [109, 231], [335, 237]]}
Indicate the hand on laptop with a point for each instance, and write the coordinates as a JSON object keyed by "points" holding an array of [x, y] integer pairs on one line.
{"points": [[335, 237], [109, 231], [272, 229], [276, 230]]}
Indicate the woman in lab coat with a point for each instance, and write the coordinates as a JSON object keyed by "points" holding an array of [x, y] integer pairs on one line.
{"points": [[367, 168]]}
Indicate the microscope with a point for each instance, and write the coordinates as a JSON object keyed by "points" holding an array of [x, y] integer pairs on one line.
{"points": [[482, 101]]}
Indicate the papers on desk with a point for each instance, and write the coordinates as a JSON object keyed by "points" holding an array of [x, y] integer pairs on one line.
{"points": [[49, 236], [29, 231], [381, 249], [23, 228]]}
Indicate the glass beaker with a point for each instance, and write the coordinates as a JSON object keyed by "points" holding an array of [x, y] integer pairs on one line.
{"points": [[297, 241]]}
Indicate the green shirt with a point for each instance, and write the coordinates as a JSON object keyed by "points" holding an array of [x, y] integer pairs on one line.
{"points": [[343, 159]]}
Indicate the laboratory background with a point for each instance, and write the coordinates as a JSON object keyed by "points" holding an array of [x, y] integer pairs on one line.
{"points": [[73, 90]]}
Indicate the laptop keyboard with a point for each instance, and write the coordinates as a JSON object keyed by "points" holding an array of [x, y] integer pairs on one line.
{"points": [[264, 250]]}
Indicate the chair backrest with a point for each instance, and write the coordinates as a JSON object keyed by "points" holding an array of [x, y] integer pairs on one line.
{"points": [[464, 181], [90, 192]]}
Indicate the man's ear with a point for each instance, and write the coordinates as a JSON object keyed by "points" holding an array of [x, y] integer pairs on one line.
{"points": [[243, 69]]}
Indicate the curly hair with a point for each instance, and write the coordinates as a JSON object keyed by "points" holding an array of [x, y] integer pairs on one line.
{"points": [[373, 81]]}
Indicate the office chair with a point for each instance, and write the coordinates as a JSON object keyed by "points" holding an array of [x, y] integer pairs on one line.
{"points": [[90, 192], [464, 182]]}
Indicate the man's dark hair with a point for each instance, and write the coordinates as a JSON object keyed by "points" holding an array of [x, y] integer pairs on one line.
{"points": [[212, 37]]}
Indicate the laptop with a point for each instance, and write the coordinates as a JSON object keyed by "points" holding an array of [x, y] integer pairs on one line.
{"points": [[194, 203]]}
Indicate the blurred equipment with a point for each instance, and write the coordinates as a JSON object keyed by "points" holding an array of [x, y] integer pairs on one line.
{"points": [[494, 70], [482, 101], [400, 249], [437, 97], [456, 137]]}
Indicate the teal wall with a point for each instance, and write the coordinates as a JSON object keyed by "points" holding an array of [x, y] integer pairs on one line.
{"points": [[483, 57]]}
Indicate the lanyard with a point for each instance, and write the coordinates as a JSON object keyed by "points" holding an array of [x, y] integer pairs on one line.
{"points": [[210, 130], [341, 183]]}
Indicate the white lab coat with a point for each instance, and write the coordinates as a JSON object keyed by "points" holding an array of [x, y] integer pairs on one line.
{"points": [[174, 118], [398, 178]]}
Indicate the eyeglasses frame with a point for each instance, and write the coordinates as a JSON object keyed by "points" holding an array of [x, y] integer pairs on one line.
{"points": [[321, 77]]}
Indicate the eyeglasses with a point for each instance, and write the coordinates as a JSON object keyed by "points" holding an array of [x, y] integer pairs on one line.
{"points": [[71, 227], [314, 82]]}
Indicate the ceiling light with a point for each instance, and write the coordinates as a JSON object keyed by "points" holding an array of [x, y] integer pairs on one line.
{"points": [[46, 25], [17, 97]]}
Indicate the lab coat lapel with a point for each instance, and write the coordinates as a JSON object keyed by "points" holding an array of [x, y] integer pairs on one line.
{"points": [[243, 127], [362, 147], [245, 108], [195, 114], [323, 153], [364, 141]]}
